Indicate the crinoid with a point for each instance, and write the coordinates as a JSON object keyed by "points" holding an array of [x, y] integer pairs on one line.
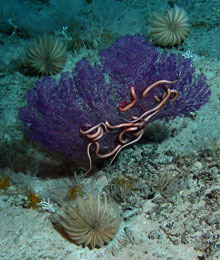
{"points": [[92, 222], [170, 29], [47, 55]]}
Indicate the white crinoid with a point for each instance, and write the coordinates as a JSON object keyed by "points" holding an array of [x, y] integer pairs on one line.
{"points": [[92, 222], [47, 55], [170, 29]]}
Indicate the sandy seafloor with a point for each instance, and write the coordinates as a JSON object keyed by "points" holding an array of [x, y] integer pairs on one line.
{"points": [[172, 211]]}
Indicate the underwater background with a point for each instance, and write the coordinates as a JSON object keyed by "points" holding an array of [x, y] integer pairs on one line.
{"points": [[109, 129]]}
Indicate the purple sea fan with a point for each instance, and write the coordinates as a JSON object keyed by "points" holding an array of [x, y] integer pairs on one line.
{"points": [[98, 110]]}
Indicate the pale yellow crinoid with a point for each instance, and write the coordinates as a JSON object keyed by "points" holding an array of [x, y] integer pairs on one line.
{"points": [[47, 55], [91, 222], [170, 29]]}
